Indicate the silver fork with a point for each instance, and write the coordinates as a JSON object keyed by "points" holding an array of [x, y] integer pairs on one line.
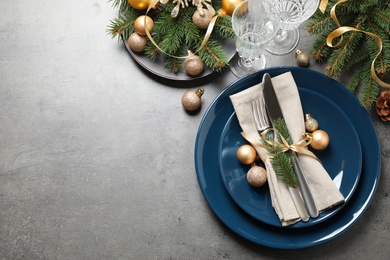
{"points": [[262, 123]]}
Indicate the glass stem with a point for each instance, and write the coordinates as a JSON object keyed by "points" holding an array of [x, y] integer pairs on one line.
{"points": [[280, 36]]}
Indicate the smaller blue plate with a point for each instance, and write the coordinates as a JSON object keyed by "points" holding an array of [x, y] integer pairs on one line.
{"points": [[342, 159]]}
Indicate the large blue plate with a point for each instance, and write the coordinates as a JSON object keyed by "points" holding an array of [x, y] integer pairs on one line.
{"points": [[342, 159], [208, 172]]}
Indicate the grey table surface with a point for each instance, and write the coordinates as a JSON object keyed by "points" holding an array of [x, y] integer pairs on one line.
{"points": [[97, 154]]}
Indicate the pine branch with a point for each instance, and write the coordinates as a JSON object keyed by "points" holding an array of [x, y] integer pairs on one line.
{"points": [[281, 161]]}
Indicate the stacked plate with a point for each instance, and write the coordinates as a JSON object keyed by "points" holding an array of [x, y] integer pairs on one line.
{"points": [[352, 160]]}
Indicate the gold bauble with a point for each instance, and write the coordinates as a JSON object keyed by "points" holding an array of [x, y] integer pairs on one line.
{"points": [[139, 4], [256, 176], [246, 154], [139, 25], [311, 124], [191, 100], [202, 18], [320, 140], [228, 6], [193, 65], [303, 59], [137, 42]]}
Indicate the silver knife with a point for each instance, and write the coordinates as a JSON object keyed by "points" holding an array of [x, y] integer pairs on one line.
{"points": [[274, 112]]}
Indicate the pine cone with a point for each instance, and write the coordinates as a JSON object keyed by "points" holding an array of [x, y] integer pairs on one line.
{"points": [[383, 105]]}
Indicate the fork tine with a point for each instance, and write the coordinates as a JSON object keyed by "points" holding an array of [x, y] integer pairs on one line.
{"points": [[260, 115]]}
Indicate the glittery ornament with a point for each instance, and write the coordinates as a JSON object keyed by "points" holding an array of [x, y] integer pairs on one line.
{"points": [[137, 42], [246, 154], [191, 100], [256, 176], [303, 59], [201, 18], [193, 65], [139, 25], [139, 4], [310, 123]]}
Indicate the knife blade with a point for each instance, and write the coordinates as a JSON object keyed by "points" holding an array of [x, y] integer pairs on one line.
{"points": [[274, 112]]}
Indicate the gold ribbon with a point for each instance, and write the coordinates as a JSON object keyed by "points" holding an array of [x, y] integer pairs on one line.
{"points": [[343, 29], [323, 5], [210, 28], [299, 147]]}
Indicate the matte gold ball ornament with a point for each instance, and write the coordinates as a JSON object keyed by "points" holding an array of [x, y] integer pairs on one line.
{"points": [[143, 23], [320, 140], [228, 6], [202, 18], [139, 4], [193, 65], [191, 100], [246, 154], [137, 42], [302, 58]]}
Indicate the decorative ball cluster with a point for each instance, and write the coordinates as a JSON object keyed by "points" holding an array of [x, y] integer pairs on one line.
{"points": [[319, 138], [383, 106], [256, 176], [138, 40]]}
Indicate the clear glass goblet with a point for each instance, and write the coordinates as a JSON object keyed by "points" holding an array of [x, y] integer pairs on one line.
{"points": [[254, 27], [292, 13]]}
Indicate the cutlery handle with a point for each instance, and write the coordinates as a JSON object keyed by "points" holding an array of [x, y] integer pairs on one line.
{"points": [[296, 197], [307, 196]]}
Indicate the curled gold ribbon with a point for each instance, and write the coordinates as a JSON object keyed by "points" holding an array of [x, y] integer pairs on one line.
{"points": [[322, 6], [210, 28], [343, 29], [299, 147]]}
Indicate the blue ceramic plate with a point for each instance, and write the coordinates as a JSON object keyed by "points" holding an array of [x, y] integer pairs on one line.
{"points": [[342, 159], [207, 159]]}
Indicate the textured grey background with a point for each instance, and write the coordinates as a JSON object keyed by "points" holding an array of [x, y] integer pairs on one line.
{"points": [[96, 154]]}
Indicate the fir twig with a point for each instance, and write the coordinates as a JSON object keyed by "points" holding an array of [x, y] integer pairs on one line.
{"points": [[282, 161]]}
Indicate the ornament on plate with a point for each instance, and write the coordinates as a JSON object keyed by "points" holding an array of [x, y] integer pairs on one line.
{"points": [[193, 64], [139, 4], [383, 106], [184, 3], [228, 6], [303, 59], [319, 139], [246, 154], [191, 100], [143, 23], [137, 42], [201, 18], [311, 124], [256, 176]]}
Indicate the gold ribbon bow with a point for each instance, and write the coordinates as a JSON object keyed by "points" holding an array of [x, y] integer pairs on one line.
{"points": [[299, 147], [343, 29]]}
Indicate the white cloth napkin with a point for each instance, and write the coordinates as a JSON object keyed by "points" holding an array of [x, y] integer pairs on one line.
{"points": [[325, 192]]}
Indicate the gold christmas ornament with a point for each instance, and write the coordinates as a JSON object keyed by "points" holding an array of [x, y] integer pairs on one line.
{"points": [[139, 25], [246, 154], [319, 140], [228, 6], [303, 59], [137, 42], [201, 18], [256, 176], [193, 65], [311, 124], [191, 100], [139, 4]]}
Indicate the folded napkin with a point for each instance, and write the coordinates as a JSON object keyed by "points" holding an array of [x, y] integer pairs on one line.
{"points": [[325, 192]]}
